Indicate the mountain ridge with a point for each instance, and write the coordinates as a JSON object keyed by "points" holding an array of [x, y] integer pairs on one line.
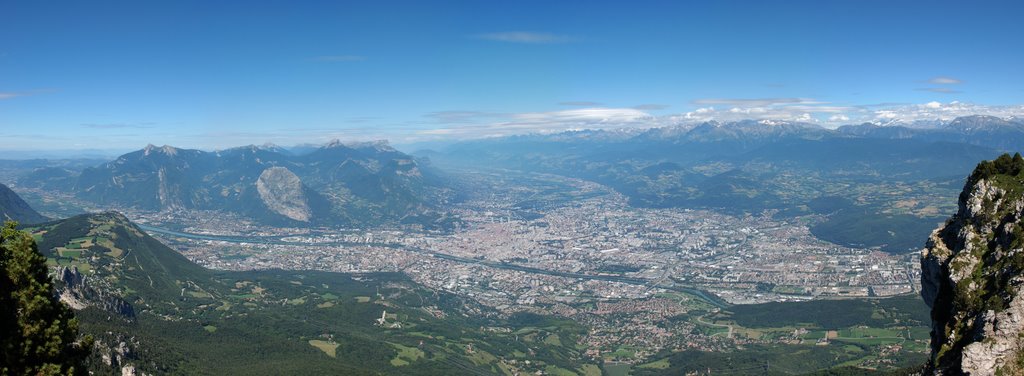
{"points": [[348, 184], [153, 311], [14, 208]]}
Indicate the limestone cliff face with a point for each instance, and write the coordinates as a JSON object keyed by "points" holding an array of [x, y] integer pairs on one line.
{"points": [[282, 192], [972, 271], [75, 290]]}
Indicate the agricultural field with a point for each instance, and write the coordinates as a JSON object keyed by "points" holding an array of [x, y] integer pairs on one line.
{"points": [[880, 334]]}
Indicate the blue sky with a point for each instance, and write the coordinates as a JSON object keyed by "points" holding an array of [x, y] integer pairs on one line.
{"points": [[109, 75]]}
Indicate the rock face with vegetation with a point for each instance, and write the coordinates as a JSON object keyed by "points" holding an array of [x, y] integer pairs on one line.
{"points": [[972, 271]]}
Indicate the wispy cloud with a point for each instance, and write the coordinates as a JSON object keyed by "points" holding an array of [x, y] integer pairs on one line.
{"points": [[462, 117], [942, 80], [941, 112], [780, 108], [119, 125], [469, 124], [650, 107], [525, 37], [339, 58], [832, 116], [752, 102], [787, 109], [580, 103], [941, 90], [15, 94], [945, 81], [361, 119]]}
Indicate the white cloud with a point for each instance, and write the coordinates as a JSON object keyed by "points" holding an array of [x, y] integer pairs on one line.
{"points": [[886, 115], [471, 124], [525, 37], [832, 116], [944, 81], [783, 109], [937, 111]]}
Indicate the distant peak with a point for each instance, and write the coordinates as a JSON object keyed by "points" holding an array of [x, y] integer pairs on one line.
{"points": [[166, 149]]}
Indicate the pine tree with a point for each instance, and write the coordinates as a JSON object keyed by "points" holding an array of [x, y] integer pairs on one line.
{"points": [[38, 333]]}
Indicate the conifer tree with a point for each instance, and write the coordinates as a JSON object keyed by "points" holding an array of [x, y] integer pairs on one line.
{"points": [[38, 333]]}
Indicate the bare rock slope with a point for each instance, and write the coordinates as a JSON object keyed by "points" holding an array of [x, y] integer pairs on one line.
{"points": [[281, 190]]}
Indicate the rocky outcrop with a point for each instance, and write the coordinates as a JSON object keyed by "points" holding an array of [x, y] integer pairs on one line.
{"points": [[282, 192], [972, 270], [75, 290], [120, 358]]}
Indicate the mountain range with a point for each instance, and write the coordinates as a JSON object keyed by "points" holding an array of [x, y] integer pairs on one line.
{"points": [[152, 311], [989, 131], [335, 184], [779, 167], [746, 167]]}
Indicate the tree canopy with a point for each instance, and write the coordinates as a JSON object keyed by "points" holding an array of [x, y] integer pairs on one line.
{"points": [[38, 333]]}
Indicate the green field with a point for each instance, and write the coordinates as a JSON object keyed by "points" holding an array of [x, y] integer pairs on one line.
{"points": [[406, 355], [857, 330], [328, 348]]}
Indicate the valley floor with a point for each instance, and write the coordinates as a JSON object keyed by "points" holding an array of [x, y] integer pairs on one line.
{"points": [[643, 281]]}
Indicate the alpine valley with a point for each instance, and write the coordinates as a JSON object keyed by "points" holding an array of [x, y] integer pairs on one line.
{"points": [[780, 247]]}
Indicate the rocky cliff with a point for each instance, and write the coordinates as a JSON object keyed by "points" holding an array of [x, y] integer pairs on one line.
{"points": [[282, 192], [972, 271], [76, 291]]}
